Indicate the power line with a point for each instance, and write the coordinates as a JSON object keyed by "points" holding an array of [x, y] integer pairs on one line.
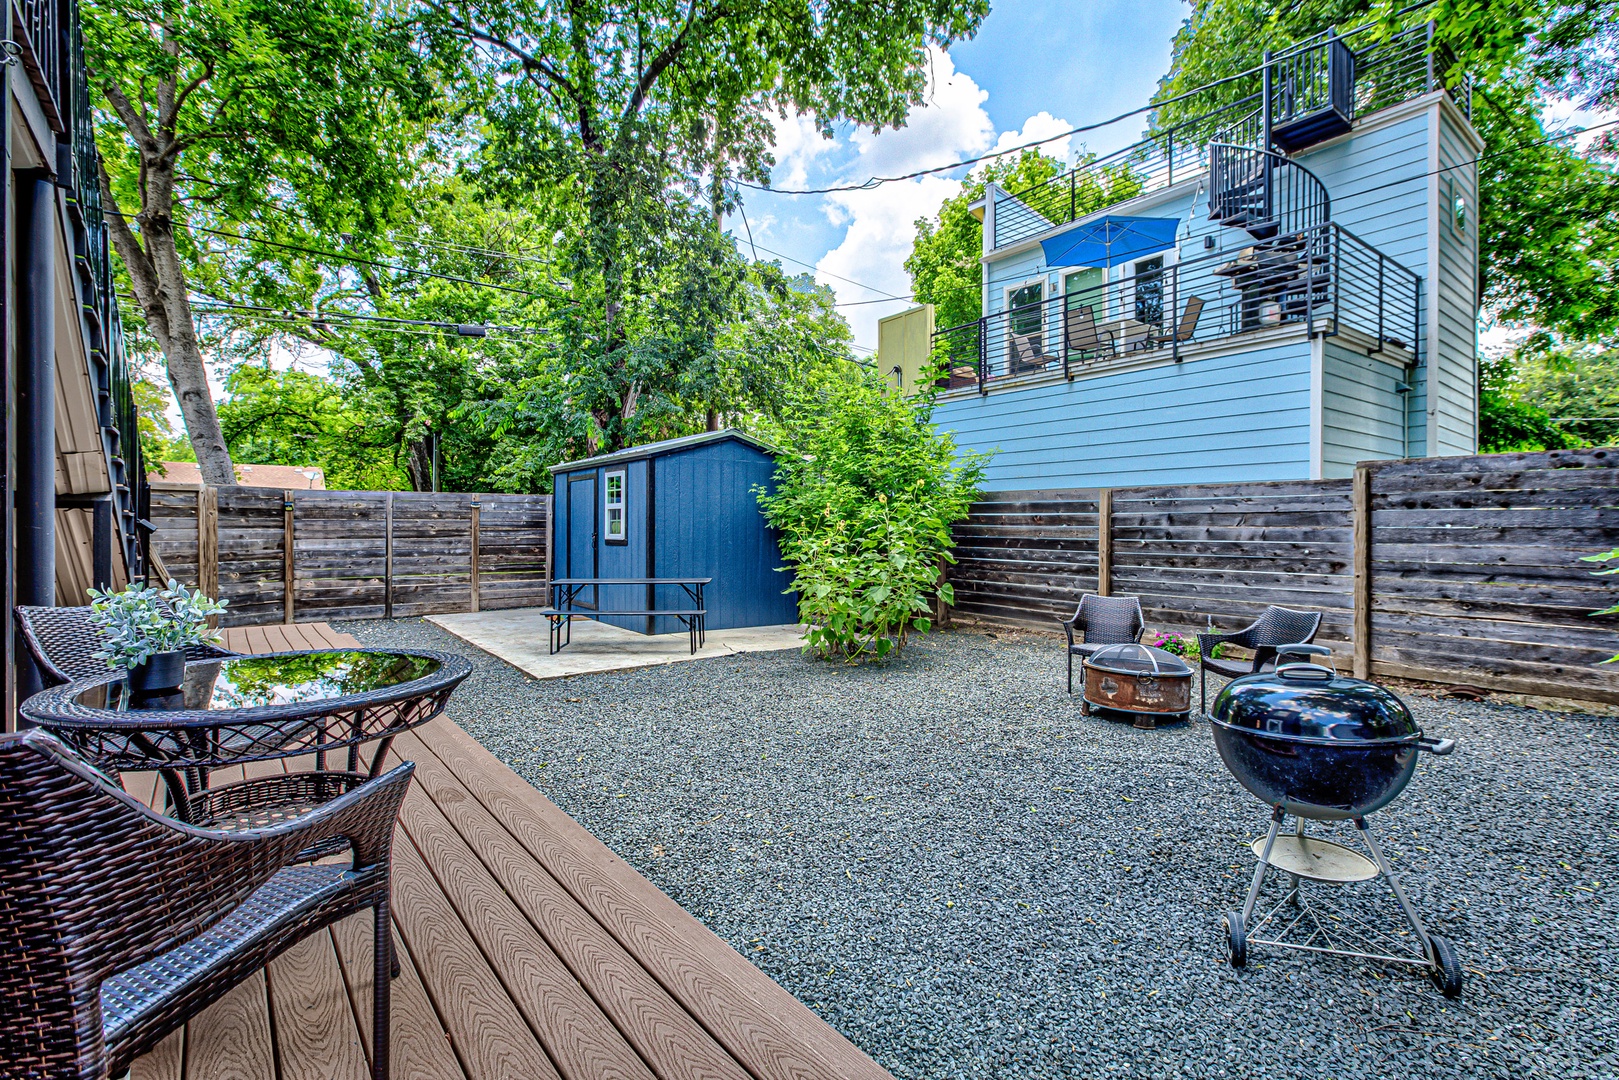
{"points": [[1336, 195], [347, 258], [464, 329], [876, 181]]}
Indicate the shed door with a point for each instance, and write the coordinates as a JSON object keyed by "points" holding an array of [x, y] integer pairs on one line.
{"points": [[582, 533]]}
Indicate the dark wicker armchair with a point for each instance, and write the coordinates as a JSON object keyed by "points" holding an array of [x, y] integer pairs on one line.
{"points": [[1102, 620], [1274, 628], [117, 924], [61, 641]]}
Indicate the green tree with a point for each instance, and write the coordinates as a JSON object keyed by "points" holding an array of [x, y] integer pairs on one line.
{"points": [[1576, 383], [1510, 424], [296, 418], [635, 116], [301, 121]]}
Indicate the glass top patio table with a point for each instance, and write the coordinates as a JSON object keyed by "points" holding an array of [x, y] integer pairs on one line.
{"points": [[252, 708]]}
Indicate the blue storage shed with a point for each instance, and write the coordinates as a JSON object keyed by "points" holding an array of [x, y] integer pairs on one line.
{"points": [[679, 508]]}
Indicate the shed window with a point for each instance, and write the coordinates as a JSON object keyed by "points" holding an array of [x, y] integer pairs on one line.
{"points": [[613, 525]]}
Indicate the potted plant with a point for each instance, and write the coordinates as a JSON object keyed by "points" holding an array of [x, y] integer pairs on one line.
{"points": [[145, 631]]}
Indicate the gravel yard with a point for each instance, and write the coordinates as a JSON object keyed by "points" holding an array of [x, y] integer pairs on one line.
{"points": [[969, 879]]}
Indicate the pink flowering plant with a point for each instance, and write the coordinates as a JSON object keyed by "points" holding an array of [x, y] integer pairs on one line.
{"points": [[1183, 645]]}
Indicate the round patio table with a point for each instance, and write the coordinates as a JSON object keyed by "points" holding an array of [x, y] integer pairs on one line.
{"points": [[249, 709]]}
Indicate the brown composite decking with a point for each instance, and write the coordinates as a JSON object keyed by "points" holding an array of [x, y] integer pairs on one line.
{"points": [[527, 949]]}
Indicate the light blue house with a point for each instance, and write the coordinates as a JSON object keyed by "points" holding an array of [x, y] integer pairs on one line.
{"points": [[1286, 285]]}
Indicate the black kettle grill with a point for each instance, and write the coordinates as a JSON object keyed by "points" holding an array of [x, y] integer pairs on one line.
{"points": [[1314, 744]]}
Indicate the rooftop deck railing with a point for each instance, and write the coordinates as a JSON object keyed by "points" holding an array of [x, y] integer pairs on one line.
{"points": [[1300, 80], [1323, 278]]}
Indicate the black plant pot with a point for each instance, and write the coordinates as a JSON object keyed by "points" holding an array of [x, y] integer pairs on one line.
{"points": [[161, 672]]}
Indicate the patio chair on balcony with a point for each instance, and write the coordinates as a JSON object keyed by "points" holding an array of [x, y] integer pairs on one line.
{"points": [[1102, 620], [1083, 336], [1183, 333], [120, 924], [1026, 354], [1274, 628], [61, 640]]}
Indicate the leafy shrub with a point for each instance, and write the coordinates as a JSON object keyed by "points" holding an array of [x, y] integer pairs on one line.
{"points": [[866, 492], [1606, 556], [140, 622]]}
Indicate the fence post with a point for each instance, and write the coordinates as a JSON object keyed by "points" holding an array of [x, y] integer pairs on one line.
{"points": [[550, 514], [388, 556], [474, 588], [1362, 513], [208, 544], [1104, 542], [286, 556]]}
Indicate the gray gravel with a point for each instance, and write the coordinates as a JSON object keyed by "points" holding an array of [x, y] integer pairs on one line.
{"points": [[968, 879]]}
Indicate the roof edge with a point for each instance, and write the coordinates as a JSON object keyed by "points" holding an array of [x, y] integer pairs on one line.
{"points": [[665, 446]]}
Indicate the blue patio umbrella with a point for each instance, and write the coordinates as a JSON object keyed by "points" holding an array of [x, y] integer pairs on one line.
{"points": [[1111, 240]]}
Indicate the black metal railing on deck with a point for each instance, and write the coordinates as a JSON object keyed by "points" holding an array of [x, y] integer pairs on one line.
{"points": [[37, 28], [1322, 278], [116, 408], [1263, 192], [1317, 77]]}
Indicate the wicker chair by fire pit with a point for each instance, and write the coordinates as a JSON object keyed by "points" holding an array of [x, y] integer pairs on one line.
{"points": [[1274, 628], [119, 924], [1102, 620]]}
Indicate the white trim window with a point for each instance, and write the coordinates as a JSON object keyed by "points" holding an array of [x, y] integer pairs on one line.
{"points": [[615, 525]]}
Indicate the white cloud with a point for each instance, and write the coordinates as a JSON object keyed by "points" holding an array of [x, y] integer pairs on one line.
{"points": [[949, 124], [1042, 125], [798, 143], [881, 225]]}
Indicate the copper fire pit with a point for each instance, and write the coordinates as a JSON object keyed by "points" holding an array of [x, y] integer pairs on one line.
{"points": [[1146, 682]]}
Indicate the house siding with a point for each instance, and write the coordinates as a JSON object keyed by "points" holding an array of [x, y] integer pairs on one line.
{"points": [[1376, 178], [1455, 285], [1242, 416], [1362, 410]]}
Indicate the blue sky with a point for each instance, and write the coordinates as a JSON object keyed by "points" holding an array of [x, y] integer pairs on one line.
{"points": [[1036, 68]]}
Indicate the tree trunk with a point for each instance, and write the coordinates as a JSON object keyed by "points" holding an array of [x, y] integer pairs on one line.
{"points": [[158, 280]]}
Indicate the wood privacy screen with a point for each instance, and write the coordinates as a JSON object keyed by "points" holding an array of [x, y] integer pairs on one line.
{"points": [[281, 556], [1452, 569]]}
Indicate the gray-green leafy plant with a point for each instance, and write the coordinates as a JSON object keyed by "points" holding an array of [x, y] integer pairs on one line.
{"points": [[141, 622]]}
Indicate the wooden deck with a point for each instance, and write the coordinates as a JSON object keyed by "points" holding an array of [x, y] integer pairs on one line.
{"points": [[528, 950]]}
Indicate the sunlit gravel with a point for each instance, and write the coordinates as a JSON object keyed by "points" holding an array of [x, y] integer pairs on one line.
{"points": [[969, 879]]}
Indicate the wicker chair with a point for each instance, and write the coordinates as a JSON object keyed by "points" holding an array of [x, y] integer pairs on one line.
{"points": [[128, 923], [61, 641], [1102, 620], [1275, 627]]}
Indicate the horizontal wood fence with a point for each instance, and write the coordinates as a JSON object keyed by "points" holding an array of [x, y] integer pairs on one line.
{"points": [[1462, 570], [308, 556]]}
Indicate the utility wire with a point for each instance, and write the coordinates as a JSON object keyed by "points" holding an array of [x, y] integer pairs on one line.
{"points": [[324, 316], [347, 258], [1336, 195]]}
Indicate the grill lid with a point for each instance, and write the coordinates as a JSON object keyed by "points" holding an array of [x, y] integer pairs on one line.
{"points": [[1133, 659], [1309, 702]]}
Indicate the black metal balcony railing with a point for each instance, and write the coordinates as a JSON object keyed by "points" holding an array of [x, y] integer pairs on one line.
{"points": [[37, 30], [1319, 76], [1323, 278]]}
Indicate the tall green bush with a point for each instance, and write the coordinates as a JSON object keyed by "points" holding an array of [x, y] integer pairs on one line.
{"points": [[866, 492]]}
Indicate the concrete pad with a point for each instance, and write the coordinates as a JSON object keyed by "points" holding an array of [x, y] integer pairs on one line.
{"points": [[521, 637]]}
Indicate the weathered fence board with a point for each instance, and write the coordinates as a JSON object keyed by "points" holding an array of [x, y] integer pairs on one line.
{"points": [[1457, 569], [356, 554]]}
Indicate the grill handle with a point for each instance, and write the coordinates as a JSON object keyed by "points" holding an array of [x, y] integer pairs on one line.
{"points": [[1437, 747]]}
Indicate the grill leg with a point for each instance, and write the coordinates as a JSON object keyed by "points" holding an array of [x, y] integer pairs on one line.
{"points": [[1264, 864], [1394, 883], [381, 985]]}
